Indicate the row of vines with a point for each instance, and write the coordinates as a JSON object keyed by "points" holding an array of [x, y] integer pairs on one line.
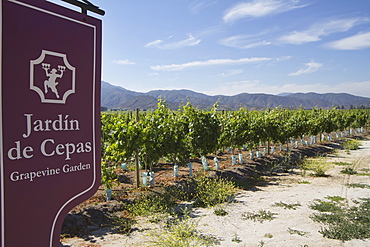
{"points": [[190, 132]]}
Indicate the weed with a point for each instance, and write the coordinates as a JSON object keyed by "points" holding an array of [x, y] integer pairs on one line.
{"points": [[325, 206], [293, 231], [181, 233], [183, 191], [183, 212], [362, 186], [351, 145], [268, 235], [261, 243], [207, 192], [108, 177], [363, 174], [334, 152], [349, 171], [319, 172], [119, 194], [122, 224], [220, 212], [345, 223], [279, 166], [210, 192], [151, 204], [131, 166], [236, 239], [335, 198], [287, 206], [341, 163], [260, 216], [156, 218], [318, 166], [304, 182]]}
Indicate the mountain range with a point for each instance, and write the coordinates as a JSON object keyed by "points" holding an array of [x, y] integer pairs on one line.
{"points": [[115, 97]]}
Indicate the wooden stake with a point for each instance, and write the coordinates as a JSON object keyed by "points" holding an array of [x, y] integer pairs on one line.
{"points": [[137, 156]]}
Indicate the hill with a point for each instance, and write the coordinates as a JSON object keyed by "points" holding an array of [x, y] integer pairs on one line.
{"points": [[115, 97]]}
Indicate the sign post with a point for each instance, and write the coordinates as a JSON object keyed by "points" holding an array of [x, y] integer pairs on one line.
{"points": [[50, 59]]}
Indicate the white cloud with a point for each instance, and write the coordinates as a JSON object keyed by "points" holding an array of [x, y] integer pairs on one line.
{"points": [[177, 67], [297, 38], [243, 42], [310, 68], [283, 58], [279, 59], [123, 62], [161, 44], [257, 44], [318, 30], [258, 8], [154, 43], [196, 6], [233, 88], [231, 72], [355, 42]]}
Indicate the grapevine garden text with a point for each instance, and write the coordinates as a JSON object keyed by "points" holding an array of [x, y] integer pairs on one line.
{"points": [[49, 147]]}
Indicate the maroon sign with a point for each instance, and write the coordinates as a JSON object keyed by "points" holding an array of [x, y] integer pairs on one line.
{"points": [[50, 118]]}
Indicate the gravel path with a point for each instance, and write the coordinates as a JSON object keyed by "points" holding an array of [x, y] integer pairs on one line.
{"points": [[283, 188]]}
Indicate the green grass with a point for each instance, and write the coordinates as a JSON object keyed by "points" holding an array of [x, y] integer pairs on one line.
{"points": [[318, 166], [180, 233], [236, 239], [335, 198], [349, 171], [147, 205], [206, 192], [210, 192], [304, 182], [356, 185], [351, 144], [287, 206], [293, 231], [260, 216], [343, 222], [261, 243], [268, 235], [123, 225], [341, 163], [324, 206], [220, 212], [363, 174], [333, 204]]}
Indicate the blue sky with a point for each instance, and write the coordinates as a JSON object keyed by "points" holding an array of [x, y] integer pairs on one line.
{"points": [[229, 47]]}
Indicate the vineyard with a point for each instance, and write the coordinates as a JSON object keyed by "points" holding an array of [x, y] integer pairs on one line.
{"points": [[177, 137], [192, 163]]}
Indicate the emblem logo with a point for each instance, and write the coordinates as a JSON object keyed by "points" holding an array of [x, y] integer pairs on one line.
{"points": [[52, 77]]}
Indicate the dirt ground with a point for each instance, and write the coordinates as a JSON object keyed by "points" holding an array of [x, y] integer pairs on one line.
{"points": [[283, 187]]}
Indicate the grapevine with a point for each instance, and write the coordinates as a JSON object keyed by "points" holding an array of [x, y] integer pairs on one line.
{"points": [[189, 132]]}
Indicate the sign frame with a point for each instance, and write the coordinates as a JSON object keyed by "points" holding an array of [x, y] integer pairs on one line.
{"points": [[92, 150]]}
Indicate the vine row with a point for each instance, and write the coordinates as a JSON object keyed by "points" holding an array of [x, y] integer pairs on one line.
{"points": [[189, 132]]}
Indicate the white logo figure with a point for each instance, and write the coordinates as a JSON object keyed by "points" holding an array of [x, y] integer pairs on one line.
{"points": [[60, 72], [51, 82]]}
